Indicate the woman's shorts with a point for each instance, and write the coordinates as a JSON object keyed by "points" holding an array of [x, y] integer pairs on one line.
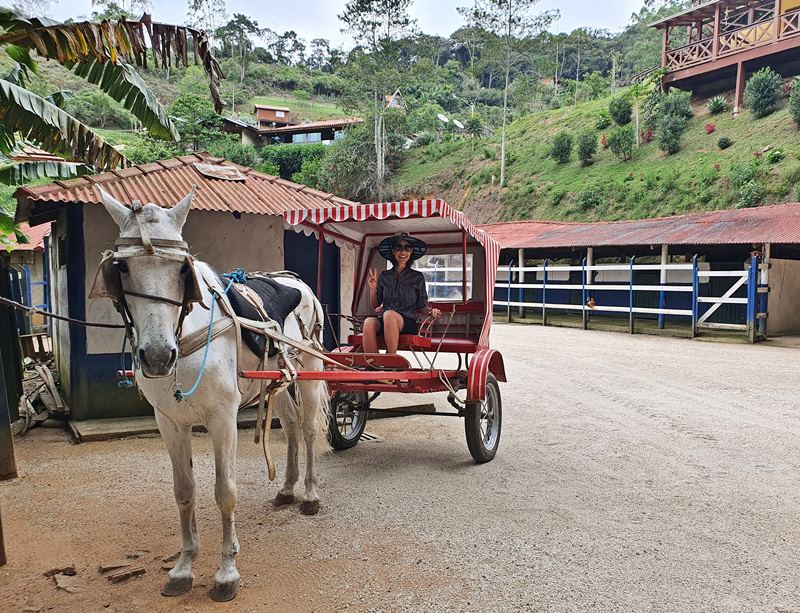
{"points": [[410, 326]]}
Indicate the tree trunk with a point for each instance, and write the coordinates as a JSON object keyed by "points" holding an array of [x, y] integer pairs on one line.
{"points": [[638, 138], [505, 112]]}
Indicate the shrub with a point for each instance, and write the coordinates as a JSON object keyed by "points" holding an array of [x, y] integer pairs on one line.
{"points": [[794, 102], [587, 147], [650, 109], [621, 141], [269, 168], [743, 173], [424, 139], [604, 121], [677, 103], [620, 110], [717, 105], [670, 130], [561, 148], [774, 156], [96, 109], [147, 149], [711, 128], [724, 142], [290, 158], [557, 196], [763, 92], [647, 135], [590, 198], [236, 152], [750, 194], [797, 193]]}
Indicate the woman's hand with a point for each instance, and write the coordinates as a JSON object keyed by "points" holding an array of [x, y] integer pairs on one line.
{"points": [[372, 280], [436, 313]]}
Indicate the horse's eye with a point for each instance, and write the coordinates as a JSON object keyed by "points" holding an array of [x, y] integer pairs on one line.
{"points": [[122, 266], [184, 269]]}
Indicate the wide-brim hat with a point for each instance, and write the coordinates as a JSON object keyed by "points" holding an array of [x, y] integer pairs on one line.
{"points": [[386, 247]]}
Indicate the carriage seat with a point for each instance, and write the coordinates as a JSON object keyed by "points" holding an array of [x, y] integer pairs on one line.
{"points": [[414, 341]]}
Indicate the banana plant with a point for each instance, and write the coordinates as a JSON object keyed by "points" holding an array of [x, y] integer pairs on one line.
{"points": [[106, 54]]}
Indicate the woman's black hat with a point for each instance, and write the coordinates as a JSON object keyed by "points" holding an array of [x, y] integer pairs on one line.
{"points": [[386, 247]]}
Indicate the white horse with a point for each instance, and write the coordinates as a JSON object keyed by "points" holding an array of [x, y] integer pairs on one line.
{"points": [[154, 280]]}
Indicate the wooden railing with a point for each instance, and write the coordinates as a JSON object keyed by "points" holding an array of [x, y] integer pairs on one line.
{"points": [[734, 41]]}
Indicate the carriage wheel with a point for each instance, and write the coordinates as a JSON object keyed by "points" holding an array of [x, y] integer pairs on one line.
{"points": [[348, 419], [483, 422]]}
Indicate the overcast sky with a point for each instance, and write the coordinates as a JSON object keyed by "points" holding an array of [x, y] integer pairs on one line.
{"points": [[317, 18]]}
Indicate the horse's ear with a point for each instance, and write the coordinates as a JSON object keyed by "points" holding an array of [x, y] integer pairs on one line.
{"points": [[118, 211], [181, 210]]}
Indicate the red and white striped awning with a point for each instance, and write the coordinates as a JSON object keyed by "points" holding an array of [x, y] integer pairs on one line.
{"points": [[434, 220]]}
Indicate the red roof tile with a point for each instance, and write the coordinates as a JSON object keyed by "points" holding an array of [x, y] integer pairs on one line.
{"points": [[778, 223], [167, 181], [36, 236]]}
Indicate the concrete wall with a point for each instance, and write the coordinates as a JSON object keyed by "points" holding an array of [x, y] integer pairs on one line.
{"points": [[59, 300], [784, 297], [253, 242]]}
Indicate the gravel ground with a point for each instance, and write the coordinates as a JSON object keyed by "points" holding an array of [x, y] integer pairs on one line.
{"points": [[635, 474]]}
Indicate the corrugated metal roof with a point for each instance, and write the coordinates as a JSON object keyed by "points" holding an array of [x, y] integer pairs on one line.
{"points": [[167, 181], [778, 223], [269, 107], [35, 234], [313, 125]]}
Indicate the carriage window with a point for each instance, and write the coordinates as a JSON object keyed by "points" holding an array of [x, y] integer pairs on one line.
{"points": [[443, 276]]}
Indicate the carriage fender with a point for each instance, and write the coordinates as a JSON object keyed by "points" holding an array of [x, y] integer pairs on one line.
{"points": [[483, 362]]}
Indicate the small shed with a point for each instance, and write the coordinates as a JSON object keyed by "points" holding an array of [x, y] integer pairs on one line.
{"points": [[236, 221]]}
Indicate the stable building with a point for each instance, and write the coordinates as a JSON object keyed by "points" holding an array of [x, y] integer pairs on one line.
{"points": [[236, 221], [736, 271]]}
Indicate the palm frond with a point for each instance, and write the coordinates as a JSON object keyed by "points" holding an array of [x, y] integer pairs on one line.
{"points": [[120, 42], [24, 172], [126, 86], [51, 128]]}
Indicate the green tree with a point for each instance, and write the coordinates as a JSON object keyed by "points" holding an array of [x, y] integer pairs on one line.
{"points": [[237, 36], [794, 102], [509, 20], [621, 141], [669, 132], [197, 121], [763, 92], [96, 109], [376, 25], [587, 146], [561, 147]]}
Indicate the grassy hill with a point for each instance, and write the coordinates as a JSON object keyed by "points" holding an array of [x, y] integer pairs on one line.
{"points": [[697, 178]]}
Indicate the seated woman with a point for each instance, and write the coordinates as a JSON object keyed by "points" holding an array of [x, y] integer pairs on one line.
{"points": [[399, 294]]}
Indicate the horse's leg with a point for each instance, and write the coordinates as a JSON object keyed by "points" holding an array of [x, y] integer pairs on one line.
{"points": [[222, 428], [178, 439], [287, 411], [314, 404]]}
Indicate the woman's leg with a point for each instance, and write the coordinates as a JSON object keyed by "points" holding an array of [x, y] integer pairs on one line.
{"points": [[371, 326], [392, 324]]}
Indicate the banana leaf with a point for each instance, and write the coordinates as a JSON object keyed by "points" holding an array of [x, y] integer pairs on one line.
{"points": [[24, 172], [34, 118]]}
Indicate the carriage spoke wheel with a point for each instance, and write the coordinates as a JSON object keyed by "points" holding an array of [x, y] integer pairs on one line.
{"points": [[348, 419], [483, 421]]}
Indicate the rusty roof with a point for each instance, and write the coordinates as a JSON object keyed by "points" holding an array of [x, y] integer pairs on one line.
{"points": [[167, 181], [36, 236], [779, 224], [313, 125], [29, 153]]}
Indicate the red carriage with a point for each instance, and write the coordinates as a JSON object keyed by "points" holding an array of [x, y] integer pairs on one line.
{"points": [[450, 354]]}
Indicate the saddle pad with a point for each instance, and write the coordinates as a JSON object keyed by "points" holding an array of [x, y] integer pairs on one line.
{"points": [[279, 301]]}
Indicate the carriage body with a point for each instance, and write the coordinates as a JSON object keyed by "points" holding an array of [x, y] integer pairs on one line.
{"points": [[451, 354]]}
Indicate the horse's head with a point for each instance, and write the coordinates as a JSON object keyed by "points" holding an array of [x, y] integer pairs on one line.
{"points": [[151, 279]]}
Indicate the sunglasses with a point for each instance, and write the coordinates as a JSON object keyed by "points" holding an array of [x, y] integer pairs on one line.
{"points": [[402, 247]]}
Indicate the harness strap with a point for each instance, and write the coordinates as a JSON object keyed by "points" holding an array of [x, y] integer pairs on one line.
{"points": [[147, 242], [177, 303], [194, 342]]}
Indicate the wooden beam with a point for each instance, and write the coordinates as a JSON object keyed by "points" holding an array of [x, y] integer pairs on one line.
{"points": [[739, 96], [8, 463], [3, 559], [665, 47], [715, 44], [776, 34]]}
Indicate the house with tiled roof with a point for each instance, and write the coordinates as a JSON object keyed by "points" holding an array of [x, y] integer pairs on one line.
{"points": [[235, 222]]}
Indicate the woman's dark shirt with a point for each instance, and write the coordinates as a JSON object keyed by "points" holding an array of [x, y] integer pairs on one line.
{"points": [[404, 293]]}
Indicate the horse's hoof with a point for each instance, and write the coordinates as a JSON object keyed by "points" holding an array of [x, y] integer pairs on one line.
{"points": [[223, 592], [281, 500], [309, 507], [177, 587]]}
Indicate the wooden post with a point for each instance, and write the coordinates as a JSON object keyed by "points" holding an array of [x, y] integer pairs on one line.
{"points": [[777, 21], [3, 559], [715, 42], [589, 278], [739, 96], [665, 46], [662, 295], [521, 279], [762, 293]]}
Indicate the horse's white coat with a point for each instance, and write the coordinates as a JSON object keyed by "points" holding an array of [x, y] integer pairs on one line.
{"points": [[217, 400]]}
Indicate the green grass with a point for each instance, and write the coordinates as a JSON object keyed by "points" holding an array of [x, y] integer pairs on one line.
{"points": [[314, 109], [651, 185]]}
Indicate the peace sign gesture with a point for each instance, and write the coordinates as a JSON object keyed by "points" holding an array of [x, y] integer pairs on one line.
{"points": [[373, 279]]}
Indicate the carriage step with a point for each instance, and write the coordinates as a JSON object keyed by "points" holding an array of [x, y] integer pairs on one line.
{"points": [[366, 437]]}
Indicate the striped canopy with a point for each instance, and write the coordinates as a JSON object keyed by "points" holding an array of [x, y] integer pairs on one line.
{"points": [[363, 225]]}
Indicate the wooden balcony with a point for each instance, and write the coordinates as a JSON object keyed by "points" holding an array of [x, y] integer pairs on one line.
{"points": [[734, 41]]}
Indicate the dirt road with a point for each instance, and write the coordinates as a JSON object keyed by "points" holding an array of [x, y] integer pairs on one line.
{"points": [[635, 473]]}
